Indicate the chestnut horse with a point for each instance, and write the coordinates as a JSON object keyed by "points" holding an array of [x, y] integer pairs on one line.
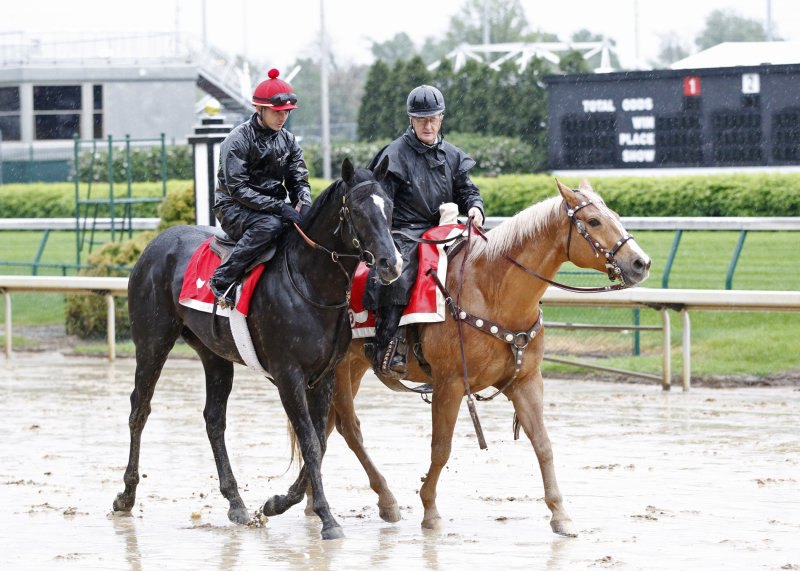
{"points": [[500, 283]]}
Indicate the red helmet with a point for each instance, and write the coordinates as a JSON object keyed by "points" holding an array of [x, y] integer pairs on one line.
{"points": [[274, 93]]}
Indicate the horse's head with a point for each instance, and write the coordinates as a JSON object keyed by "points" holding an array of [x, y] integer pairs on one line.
{"points": [[367, 210], [597, 239]]}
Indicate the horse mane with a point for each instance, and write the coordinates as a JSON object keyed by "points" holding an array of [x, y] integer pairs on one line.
{"points": [[522, 227], [333, 193], [325, 197]]}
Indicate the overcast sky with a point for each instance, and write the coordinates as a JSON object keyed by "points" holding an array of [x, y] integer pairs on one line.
{"points": [[279, 32]]}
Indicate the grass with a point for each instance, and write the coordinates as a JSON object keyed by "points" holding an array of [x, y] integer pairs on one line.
{"points": [[723, 343]]}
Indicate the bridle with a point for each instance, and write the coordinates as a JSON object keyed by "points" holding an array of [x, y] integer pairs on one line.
{"points": [[612, 268], [364, 255]]}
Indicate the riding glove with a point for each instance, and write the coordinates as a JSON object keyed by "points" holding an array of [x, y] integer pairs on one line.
{"points": [[289, 214]]}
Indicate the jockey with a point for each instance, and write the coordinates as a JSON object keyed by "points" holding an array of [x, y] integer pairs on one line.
{"points": [[260, 165], [424, 172]]}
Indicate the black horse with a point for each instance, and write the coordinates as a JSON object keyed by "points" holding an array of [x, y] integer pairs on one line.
{"points": [[297, 321]]}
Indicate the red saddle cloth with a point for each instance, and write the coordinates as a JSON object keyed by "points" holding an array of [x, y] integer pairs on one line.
{"points": [[195, 292], [427, 302]]}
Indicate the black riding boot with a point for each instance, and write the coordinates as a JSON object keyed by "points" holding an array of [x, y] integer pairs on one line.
{"points": [[390, 338], [227, 275]]}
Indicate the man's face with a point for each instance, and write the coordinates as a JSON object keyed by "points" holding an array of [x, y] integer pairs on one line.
{"points": [[427, 128], [275, 120]]}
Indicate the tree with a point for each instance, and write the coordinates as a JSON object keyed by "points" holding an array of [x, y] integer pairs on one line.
{"points": [[400, 47], [375, 117], [728, 26], [671, 50]]}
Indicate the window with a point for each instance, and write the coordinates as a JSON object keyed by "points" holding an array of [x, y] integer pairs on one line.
{"points": [[57, 111], [97, 117], [9, 114]]}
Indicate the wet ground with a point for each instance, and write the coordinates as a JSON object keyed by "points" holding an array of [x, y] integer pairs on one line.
{"points": [[708, 479]]}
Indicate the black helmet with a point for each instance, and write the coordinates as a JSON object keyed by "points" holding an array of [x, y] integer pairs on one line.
{"points": [[424, 101]]}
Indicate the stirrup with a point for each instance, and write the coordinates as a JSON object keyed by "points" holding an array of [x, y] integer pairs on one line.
{"points": [[394, 358], [226, 299]]}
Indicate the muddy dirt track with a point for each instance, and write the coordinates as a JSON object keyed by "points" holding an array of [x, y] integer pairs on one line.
{"points": [[708, 479]]}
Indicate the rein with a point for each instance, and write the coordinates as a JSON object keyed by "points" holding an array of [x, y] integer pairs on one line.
{"points": [[364, 255]]}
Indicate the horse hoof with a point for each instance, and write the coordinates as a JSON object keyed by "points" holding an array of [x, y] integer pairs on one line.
{"points": [[333, 532], [390, 514], [121, 504], [564, 527], [434, 524], [274, 506], [239, 515]]}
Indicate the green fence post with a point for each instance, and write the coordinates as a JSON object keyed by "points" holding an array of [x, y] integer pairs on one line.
{"points": [[735, 259], [670, 259], [636, 332], [129, 180], [76, 143], [111, 185], [163, 166]]}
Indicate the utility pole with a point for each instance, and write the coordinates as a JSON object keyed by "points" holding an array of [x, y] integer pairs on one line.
{"points": [[323, 77], [487, 38], [205, 28], [637, 61], [769, 20]]}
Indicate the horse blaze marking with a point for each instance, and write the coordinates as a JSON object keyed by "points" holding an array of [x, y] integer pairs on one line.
{"points": [[379, 202]]}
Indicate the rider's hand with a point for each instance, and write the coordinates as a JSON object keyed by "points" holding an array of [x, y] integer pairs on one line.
{"points": [[304, 208], [477, 217], [289, 214]]}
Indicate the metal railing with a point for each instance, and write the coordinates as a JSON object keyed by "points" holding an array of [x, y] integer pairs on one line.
{"points": [[662, 300]]}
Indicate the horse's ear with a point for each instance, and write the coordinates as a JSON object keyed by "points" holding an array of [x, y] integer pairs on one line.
{"points": [[584, 185], [567, 193], [381, 170], [347, 170]]}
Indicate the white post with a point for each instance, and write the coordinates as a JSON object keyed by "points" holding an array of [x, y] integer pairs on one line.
{"points": [[205, 154], [666, 372], [686, 348], [7, 299], [111, 327]]}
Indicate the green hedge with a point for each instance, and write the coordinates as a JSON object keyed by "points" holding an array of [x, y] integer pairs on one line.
{"points": [[712, 195], [57, 199]]}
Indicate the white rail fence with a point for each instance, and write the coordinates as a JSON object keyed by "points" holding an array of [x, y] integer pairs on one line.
{"points": [[662, 300]]}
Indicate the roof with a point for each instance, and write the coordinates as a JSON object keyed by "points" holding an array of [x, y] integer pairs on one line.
{"points": [[734, 54]]}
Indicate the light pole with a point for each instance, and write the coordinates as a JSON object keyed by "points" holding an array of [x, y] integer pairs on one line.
{"points": [[323, 78]]}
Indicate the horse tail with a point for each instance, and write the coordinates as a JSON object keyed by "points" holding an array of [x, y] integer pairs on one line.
{"points": [[294, 444]]}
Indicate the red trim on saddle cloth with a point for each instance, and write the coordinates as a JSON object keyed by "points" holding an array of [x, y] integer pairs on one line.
{"points": [[195, 292], [427, 302]]}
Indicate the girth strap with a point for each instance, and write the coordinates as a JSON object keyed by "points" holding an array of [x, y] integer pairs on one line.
{"points": [[518, 341]]}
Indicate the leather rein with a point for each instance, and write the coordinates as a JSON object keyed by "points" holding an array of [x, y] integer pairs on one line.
{"points": [[346, 217]]}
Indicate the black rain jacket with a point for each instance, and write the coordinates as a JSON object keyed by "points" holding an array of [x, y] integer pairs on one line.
{"points": [[420, 179], [259, 168]]}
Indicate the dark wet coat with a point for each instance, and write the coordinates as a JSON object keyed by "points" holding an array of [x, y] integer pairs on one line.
{"points": [[420, 179], [259, 168]]}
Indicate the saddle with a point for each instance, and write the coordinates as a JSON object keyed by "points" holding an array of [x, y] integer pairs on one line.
{"points": [[222, 245]]}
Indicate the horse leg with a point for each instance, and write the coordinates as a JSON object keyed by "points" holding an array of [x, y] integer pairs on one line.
{"points": [[447, 399], [219, 382], [310, 431], [151, 354], [349, 374], [528, 397]]}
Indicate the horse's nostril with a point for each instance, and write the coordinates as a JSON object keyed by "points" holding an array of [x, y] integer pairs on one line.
{"points": [[640, 265]]}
